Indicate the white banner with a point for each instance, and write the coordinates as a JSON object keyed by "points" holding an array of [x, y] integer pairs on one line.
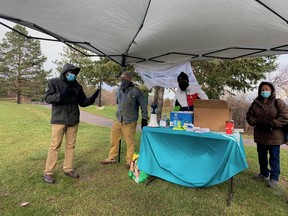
{"points": [[165, 75]]}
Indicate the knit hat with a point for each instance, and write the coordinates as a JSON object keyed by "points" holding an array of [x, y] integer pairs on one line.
{"points": [[127, 75], [182, 76]]}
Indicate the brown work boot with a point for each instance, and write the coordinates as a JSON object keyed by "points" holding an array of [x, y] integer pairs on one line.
{"points": [[72, 174], [108, 161], [49, 179]]}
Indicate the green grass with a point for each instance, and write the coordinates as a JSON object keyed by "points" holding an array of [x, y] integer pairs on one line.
{"points": [[107, 111], [107, 190]]}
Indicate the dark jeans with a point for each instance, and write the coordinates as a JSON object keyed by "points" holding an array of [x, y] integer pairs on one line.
{"points": [[274, 160]]}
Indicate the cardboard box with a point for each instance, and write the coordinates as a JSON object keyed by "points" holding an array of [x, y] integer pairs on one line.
{"points": [[211, 114], [183, 116]]}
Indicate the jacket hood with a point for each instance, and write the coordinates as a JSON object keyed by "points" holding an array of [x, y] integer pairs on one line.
{"points": [[273, 91], [69, 67]]}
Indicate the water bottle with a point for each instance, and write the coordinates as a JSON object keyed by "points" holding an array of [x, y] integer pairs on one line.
{"points": [[163, 121], [175, 120], [166, 119], [186, 124]]}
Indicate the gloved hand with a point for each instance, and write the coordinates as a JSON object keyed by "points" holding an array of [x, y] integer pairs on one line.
{"points": [[263, 126], [252, 121], [144, 123], [95, 95], [67, 93]]}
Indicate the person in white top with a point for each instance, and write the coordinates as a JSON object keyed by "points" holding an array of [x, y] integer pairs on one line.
{"points": [[186, 94]]}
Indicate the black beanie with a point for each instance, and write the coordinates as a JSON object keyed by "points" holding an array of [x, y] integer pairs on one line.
{"points": [[182, 76]]}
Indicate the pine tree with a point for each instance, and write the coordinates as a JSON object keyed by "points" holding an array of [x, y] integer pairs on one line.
{"points": [[21, 65]]}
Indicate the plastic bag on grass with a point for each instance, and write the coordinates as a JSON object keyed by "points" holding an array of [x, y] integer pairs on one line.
{"points": [[134, 173]]}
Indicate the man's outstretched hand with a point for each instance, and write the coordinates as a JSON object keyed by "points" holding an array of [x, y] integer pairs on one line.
{"points": [[95, 95]]}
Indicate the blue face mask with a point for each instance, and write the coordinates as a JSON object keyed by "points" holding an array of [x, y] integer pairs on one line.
{"points": [[265, 94], [70, 77]]}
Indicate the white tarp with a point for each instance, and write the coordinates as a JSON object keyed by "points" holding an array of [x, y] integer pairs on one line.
{"points": [[158, 31], [165, 75]]}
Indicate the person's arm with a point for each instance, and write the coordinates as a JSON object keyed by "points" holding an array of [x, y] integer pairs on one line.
{"points": [[94, 96], [83, 100], [202, 95], [282, 114], [143, 103], [51, 95], [250, 116]]}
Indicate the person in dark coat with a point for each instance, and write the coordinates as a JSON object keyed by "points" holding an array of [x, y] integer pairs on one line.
{"points": [[65, 94], [268, 115]]}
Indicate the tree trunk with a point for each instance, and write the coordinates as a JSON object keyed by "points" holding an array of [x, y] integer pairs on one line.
{"points": [[158, 99], [18, 97], [100, 94]]}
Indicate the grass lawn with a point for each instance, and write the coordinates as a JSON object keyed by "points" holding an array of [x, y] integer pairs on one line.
{"points": [[108, 111], [107, 190]]}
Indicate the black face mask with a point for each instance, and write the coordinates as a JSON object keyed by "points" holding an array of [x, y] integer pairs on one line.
{"points": [[125, 84], [183, 86]]}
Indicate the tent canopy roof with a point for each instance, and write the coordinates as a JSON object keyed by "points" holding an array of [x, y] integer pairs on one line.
{"points": [[149, 32]]}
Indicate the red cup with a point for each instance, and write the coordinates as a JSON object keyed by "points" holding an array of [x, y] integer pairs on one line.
{"points": [[229, 127]]}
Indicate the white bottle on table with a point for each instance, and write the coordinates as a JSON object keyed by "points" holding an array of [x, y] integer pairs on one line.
{"points": [[163, 121], [175, 120]]}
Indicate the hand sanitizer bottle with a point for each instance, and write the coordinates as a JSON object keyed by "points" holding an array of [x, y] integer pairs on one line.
{"points": [[175, 120]]}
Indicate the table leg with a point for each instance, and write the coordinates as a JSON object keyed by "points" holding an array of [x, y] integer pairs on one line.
{"points": [[150, 179], [230, 191]]}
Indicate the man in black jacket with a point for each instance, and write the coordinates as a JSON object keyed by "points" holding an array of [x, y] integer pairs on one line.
{"points": [[65, 94]]}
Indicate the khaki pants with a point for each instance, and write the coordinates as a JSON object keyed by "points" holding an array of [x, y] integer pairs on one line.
{"points": [[128, 132], [58, 131]]}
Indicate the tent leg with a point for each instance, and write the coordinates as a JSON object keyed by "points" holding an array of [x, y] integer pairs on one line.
{"points": [[119, 151], [150, 179], [230, 191]]}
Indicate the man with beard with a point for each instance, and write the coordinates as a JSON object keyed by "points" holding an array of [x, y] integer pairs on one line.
{"points": [[186, 94], [128, 98]]}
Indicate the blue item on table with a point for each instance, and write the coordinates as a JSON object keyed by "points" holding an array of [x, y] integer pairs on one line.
{"points": [[175, 120], [183, 116]]}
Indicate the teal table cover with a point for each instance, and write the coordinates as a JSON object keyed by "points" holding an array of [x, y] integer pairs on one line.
{"points": [[191, 159]]}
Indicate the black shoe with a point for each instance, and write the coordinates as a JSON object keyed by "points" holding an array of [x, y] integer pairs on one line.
{"points": [[49, 179], [72, 174]]}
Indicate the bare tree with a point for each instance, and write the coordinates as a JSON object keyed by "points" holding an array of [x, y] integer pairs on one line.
{"points": [[280, 80], [239, 105]]}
